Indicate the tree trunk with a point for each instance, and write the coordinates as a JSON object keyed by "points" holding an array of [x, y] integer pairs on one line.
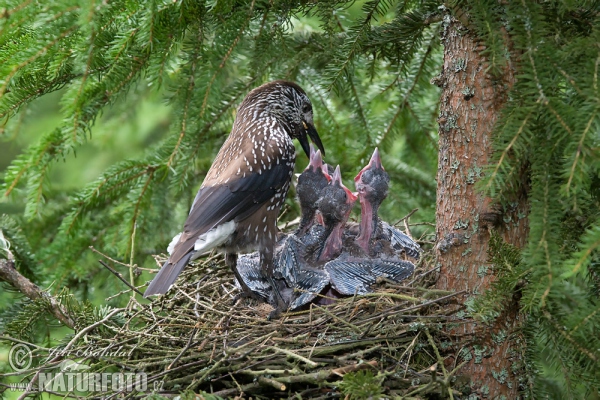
{"points": [[471, 102]]}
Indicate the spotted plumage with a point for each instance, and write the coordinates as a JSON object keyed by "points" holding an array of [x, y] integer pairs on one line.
{"points": [[237, 205]]}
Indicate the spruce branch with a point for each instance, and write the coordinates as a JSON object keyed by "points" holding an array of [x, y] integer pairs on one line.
{"points": [[9, 273], [226, 57], [6, 80]]}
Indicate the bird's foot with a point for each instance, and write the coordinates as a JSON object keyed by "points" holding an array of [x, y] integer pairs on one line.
{"points": [[280, 298], [280, 308], [275, 314]]}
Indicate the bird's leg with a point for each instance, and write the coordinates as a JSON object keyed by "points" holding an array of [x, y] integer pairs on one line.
{"points": [[268, 269], [231, 262]]}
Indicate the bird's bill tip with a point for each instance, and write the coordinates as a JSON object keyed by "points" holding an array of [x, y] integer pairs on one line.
{"points": [[312, 150], [337, 178], [314, 136], [325, 172], [316, 161], [376, 159], [374, 162], [337, 175]]}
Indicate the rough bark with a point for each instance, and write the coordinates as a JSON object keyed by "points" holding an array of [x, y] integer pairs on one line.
{"points": [[471, 102]]}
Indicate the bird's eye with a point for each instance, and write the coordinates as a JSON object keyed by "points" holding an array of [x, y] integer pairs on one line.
{"points": [[306, 108]]}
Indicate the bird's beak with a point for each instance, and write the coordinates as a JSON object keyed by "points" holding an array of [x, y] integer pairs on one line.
{"points": [[376, 159], [351, 195], [311, 132], [316, 161], [313, 151], [375, 162], [325, 172], [337, 176]]}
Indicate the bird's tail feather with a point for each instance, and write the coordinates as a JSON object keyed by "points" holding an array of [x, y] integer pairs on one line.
{"points": [[167, 276]]}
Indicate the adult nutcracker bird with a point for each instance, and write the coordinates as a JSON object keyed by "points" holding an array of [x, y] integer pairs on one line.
{"points": [[237, 205]]}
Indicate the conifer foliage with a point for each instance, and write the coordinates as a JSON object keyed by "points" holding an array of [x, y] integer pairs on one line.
{"points": [[367, 68], [546, 149]]}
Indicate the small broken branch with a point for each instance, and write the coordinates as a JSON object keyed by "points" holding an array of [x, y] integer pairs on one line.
{"points": [[120, 276]]}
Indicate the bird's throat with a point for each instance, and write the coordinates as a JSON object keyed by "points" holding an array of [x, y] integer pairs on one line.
{"points": [[368, 224], [333, 244]]}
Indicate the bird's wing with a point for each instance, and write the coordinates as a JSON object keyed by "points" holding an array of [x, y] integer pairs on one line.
{"points": [[351, 277], [311, 282], [287, 261], [233, 201], [248, 266], [401, 241], [358, 275], [395, 270], [215, 205]]}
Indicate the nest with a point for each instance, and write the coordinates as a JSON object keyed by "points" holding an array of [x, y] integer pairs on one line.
{"points": [[199, 338]]}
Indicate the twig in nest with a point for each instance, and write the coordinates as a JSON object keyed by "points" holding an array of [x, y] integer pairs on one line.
{"points": [[236, 384], [198, 295], [271, 382], [285, 210], [92, 248], [359, 354], [397, 296], [405, 219], [294, 355], [242, 389], [120, 276], [440, 362], [341, 320], [427, 303], [422, 275], [353, 367], [186, 348]]}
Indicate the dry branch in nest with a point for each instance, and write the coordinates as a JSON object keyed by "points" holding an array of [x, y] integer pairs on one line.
{"points": [[195, 338]]}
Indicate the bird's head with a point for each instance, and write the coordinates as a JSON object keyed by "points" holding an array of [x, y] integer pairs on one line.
{"points": [[336, 200], [372, 182], [289, 103], [313, 180], [336, 180]]}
